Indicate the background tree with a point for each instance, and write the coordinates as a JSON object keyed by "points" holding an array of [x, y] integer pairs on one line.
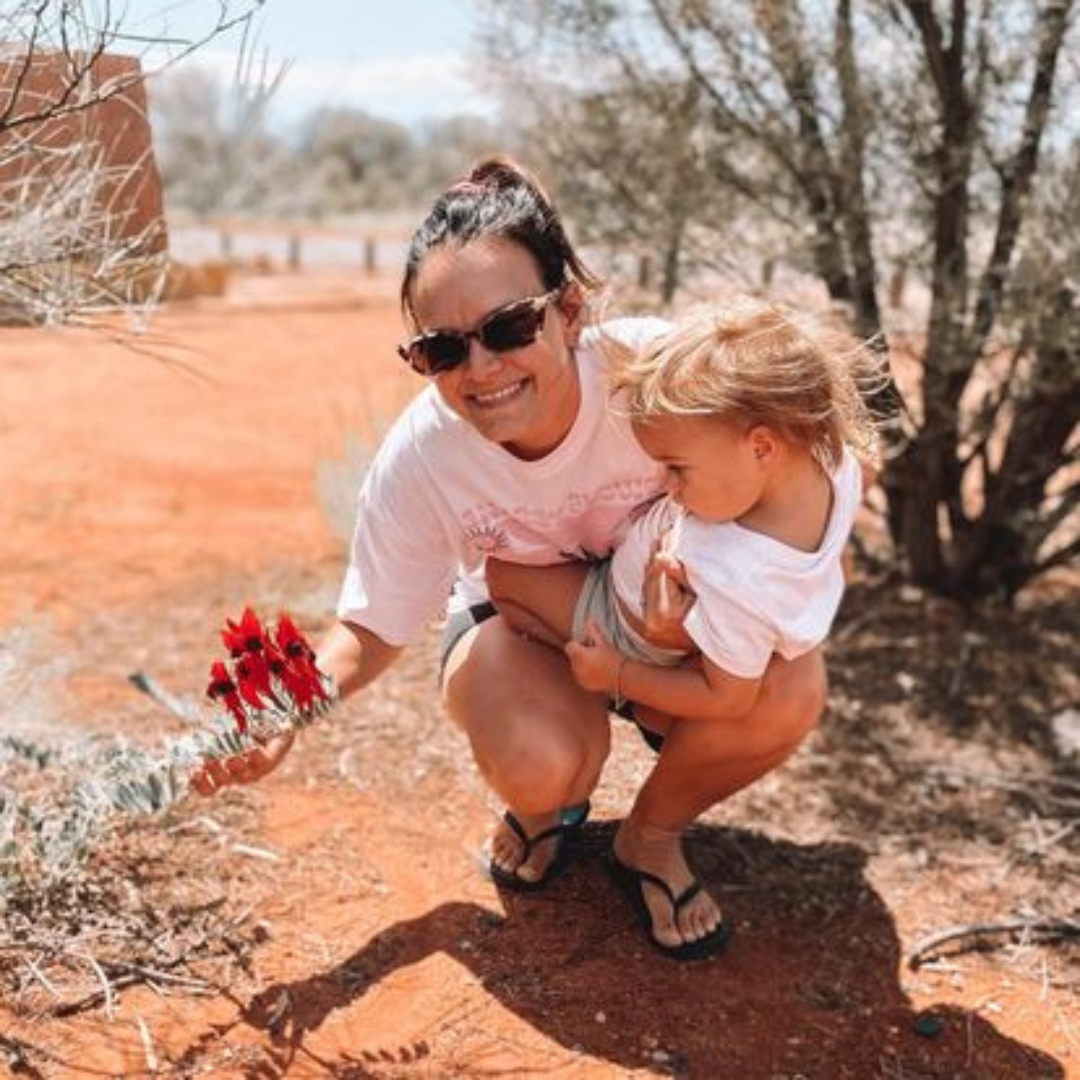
{"points": [[221, 152], [215, 149], [891, 134]]}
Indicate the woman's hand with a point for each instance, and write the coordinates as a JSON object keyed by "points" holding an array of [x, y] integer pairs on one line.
{"points": [[594, 662], [219, 773], [666, 597]]}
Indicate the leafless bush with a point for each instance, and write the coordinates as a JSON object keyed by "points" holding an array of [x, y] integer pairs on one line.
{"points": [[60, 255], [81, 224]]}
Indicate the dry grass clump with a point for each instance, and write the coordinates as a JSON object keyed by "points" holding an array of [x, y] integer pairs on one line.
{"points": [[92, 902]]}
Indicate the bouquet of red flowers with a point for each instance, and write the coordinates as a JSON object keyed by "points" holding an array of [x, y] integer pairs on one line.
{"points": [[269, 685], [270, 682]]}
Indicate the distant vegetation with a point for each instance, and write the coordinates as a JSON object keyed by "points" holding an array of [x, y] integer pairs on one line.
{"points": [[219, 154]]}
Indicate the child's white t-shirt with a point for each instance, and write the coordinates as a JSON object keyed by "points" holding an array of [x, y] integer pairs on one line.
{"points": [[755, 595], [439, 498]]}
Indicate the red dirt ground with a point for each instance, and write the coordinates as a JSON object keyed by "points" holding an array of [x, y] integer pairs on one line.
{"points": [[144, 504]]}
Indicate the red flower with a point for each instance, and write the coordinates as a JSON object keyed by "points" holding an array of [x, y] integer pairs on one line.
{"points": [[261, 662], [233, 639], [223, 688], [301, 687], [250, 642], [251, 628], [291, 642], [301, 658], [250, 690]]}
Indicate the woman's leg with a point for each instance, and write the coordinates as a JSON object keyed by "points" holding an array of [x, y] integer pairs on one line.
{"points": [[539, 740], [700, 765]]}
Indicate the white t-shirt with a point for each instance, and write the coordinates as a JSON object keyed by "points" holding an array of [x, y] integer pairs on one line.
{"points": [[439, 497], [755, 595]]}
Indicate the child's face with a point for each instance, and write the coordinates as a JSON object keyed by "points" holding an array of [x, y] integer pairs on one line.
{"points": [[715, 469]]}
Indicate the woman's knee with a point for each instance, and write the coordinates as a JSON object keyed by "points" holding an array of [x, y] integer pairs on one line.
{"points": [[534, 734], [792, 700], [782, 718]]}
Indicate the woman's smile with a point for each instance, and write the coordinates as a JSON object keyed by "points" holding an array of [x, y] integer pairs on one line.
{"points": [[493, 399]]}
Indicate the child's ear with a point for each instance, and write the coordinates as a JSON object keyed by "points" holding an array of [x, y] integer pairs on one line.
{"points": [[763, 444], [572, 305]]}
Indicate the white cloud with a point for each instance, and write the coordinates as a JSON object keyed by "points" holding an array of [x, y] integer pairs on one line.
{"points": [[404, 88]]}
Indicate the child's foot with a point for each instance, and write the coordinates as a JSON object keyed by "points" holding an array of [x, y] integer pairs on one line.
{"points": [[659, 852]]}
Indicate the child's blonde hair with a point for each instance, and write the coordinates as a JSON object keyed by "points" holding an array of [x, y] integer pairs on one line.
{"points": [[758, 363]]}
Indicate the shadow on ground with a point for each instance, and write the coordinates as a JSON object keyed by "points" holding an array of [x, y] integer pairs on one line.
{"points": [[810, 986]]}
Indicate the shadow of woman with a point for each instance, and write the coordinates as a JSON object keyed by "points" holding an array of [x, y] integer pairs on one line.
{"points": [[809, 986]]}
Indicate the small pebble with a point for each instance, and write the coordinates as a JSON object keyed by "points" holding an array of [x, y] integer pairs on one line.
{"points": [[601, 1018]]}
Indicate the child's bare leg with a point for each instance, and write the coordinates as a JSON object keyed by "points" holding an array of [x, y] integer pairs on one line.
{"points": [[524, 622], [537, 600]]}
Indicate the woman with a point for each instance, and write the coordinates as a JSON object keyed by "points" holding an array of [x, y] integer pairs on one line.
{"points": [[513, 451]]}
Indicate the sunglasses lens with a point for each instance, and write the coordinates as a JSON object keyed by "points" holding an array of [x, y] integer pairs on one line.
{"points": [[438, 352], [512, 329]]}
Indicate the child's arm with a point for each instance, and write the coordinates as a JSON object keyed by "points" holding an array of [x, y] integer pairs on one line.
{"points": [[691, 693]]}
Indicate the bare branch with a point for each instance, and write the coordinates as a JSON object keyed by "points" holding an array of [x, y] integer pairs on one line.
{"points": [[28, 56], [83, 61], [976, 933], [922, 14], [817, 174], [776, 141], [1021, 169], [1063, 555], [1067, 503]]}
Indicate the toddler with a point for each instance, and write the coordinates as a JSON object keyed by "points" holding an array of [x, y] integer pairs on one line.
{"points": [[755, 413]]}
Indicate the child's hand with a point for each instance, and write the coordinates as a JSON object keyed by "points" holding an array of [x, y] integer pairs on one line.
{"points": [[594, 662], [666, 597]]}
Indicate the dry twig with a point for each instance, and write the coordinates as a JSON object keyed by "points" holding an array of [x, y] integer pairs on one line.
{"points": [[974, 935]]}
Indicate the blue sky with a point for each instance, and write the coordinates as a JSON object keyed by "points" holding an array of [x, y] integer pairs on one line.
{"points": [[403, 59]]}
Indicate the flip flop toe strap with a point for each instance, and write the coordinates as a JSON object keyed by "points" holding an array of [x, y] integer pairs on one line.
{"points": [[519, 831], [567, 824], [687, 895], [677, 902]]}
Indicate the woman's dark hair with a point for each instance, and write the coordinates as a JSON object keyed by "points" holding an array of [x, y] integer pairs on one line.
{"points": [[497, 199]]}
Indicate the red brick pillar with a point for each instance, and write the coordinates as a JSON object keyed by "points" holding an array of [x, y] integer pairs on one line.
{"points": [[95, 122]]}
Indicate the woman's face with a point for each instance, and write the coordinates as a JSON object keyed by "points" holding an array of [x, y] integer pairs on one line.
{"points": [[526, 399]]}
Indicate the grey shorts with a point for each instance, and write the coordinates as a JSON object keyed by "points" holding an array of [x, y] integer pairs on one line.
{"points": [[597, 601], [460, 623], [457, 625]]}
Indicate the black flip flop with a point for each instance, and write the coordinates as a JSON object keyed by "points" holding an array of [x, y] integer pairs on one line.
{"points": [[631, 883], [571, 818]]}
